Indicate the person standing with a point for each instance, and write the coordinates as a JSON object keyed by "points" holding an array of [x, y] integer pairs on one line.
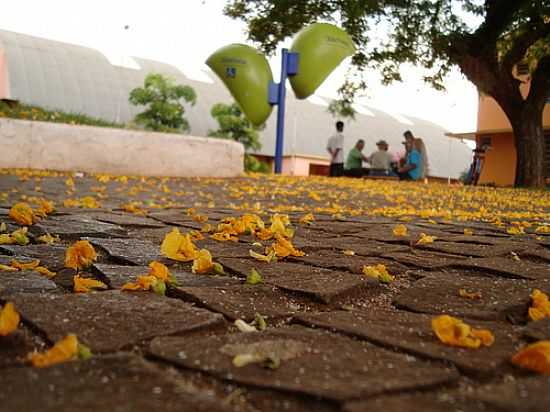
{"points": [[421, 148], [335, 147], [412, 169], [408, 136]]}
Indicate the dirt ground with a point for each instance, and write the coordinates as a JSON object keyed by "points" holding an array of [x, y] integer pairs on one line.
{"points": [[338, 340]]}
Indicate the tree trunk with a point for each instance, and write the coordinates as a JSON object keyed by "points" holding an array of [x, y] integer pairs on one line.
{"points": [[529, 141]]}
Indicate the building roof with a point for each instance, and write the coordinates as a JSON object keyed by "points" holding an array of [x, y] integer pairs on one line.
{"points": [[73, 78]]}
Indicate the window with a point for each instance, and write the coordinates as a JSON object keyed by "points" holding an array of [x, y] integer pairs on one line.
{"points": [[523, 69], [485, 143]]}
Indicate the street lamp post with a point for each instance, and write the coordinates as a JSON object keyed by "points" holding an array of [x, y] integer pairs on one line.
{"points": [[117, 119], [277, 96]]}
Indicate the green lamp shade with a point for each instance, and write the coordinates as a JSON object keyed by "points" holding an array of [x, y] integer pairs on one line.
{"points": [[321, 48], [246, 73]]}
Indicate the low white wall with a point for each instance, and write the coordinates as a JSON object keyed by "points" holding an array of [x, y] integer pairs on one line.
{"points": [[56, 146]]}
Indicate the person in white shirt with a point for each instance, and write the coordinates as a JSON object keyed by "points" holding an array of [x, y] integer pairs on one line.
{"points": [[335, 147]]}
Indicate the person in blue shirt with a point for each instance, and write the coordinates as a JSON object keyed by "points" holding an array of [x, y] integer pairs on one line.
{"points": [[412, 169]]}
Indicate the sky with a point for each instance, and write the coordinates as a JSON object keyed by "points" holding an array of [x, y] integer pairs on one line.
{"points": [[185, 32]]}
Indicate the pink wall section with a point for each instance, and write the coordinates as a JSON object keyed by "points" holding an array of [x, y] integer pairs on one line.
{"points": [[4, 86], [299, 166]]}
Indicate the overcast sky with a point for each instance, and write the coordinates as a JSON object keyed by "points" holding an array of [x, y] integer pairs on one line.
{"points": [[185, 32]]}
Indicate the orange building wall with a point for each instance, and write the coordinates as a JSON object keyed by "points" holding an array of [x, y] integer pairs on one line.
{"points": [[500, 161], [499, 167], [491, 117]]}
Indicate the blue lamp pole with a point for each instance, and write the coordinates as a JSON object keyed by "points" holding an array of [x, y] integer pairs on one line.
{"points": [[277, 96]]}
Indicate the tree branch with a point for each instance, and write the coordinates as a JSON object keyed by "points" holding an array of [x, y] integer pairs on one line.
{"points": [[522, 43], [499, 14], [540, 83]]}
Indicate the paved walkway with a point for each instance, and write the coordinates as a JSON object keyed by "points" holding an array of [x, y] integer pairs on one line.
{"points": [[336, 339]]}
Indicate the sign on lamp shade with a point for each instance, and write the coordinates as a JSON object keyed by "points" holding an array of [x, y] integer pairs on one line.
{"points": [[246, 73]]}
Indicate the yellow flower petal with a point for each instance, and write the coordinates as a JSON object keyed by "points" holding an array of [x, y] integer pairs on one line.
{"points": [[6, 239], [25, 266], [400, 230], [515, 230], [64, 350], [48, 239], [454, 332], [9, 319], [540, 305], [90, 202], [469, 295], [262, 258], [20, 237], [307, 219], [22, 213], [200, 218], [46, 207], [178, 247], [264, 234], [284, 247], [144, 282], [80, 255], [378, 272], [44, 271], [203, 262], [424, 239], [159, 270], [535, 357], [278, 225], [84, 285]]}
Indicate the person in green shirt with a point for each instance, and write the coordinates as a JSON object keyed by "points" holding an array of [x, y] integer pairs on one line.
{"points": [[354, 162]]}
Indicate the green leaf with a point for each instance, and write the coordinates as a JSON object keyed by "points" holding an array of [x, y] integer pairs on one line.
{"points": [[84, 352], [254, 277], [218, 269], [172, 280], [162, 99], [20, 238], [159, 287], [272, 362], [260, 322], [383, 278]]}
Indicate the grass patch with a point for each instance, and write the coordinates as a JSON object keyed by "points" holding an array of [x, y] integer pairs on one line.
{"points": [[28, 112]]}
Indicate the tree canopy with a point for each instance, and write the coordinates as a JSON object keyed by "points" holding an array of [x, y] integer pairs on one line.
{"points": [[235, 126], [163, 99]]}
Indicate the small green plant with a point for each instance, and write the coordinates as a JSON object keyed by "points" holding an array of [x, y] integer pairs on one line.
{"points": [[163, 100], [235, 126], [252, 164]]}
